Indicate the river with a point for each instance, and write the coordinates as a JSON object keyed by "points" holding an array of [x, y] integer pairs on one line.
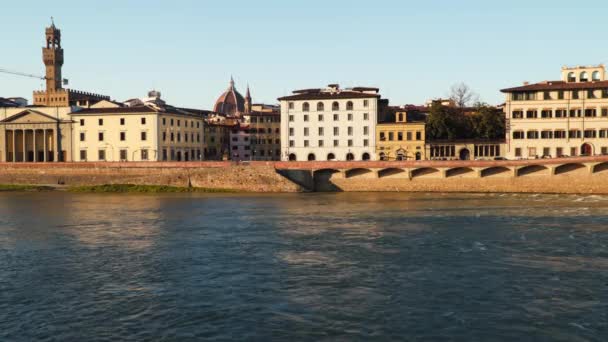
{"points": [[346, 266]]}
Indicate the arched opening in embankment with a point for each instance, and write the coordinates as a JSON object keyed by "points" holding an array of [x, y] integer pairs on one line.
{"points": [[323, 180], [392, 173], [570, 168], [360, 173], [497, 171], [460, 172], [600, 167], [533, 170], [425, 172]]}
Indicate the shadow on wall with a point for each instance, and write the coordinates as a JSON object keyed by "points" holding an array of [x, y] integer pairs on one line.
{"points": [[315, 181]]}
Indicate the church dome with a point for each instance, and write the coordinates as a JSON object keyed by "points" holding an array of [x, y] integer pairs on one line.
{"points": [[231, 102]]}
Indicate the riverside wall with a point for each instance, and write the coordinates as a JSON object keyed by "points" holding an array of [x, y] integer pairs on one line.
{"points": [[587, 175]]}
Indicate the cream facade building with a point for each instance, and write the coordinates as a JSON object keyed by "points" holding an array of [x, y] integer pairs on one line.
{"points": [[403, 138], [141, 133], [329, 124], [568, 117]]}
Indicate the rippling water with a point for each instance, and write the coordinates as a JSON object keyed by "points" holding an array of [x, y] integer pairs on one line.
{"points": [[82, 267]]}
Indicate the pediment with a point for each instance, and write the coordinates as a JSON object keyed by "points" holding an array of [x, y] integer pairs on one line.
{"points": [[29, 116]]}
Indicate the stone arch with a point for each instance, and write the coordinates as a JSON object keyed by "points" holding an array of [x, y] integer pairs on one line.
{"points": [[464, 154], [365, 156], [460, 172], [533, 170], [496, 171], [293, 157], [311, 157], [322, 179], [331, 157], [392, 173], [567, 168], [425, 172], [350, 157], [359, 173]]}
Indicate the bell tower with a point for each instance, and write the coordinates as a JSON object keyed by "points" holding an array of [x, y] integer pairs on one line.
{"points": [[52, 56]]}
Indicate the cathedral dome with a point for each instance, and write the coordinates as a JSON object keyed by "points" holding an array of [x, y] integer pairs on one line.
{"points": [[231, 102]]}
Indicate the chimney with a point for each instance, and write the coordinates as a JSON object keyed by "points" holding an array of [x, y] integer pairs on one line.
{"points": [[526, 83]]}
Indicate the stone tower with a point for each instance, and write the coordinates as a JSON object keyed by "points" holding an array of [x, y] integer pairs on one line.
{"points": [[248, 101], [52, 56]]}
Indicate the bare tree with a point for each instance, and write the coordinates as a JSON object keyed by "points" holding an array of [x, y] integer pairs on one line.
{"points": [[462, 95]]}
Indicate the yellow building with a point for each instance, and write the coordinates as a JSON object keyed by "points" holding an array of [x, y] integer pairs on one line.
{"points": [[403, 138]]}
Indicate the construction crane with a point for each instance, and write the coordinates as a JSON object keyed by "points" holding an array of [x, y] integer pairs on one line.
{"points": [[17, 73]]}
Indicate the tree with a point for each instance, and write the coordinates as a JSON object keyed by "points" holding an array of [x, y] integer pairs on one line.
{"points": [[489, 123], [462, 95], [446, 123]]}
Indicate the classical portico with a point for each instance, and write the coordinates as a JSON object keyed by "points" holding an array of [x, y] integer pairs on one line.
{"points": [[32, 136]]}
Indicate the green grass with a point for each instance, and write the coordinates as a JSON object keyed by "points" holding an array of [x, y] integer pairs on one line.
{"points": [[132, 188], [19, 187]]}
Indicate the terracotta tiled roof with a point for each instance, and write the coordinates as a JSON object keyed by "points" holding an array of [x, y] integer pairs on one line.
{"points": [[558, 85]]}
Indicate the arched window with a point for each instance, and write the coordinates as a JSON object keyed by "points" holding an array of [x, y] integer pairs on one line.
{"points": [[335, 106], [349, 105], [365, 156], [571, 77], [418, 156], [584, 77], [320, 107], [595, 76], [305, 107], [383, 156], [331, 157], [401, 155], [311, 157], [350, 157], [292, 157]]}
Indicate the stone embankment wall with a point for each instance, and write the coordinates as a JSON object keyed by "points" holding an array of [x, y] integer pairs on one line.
{"points": [[587, 175], [258, 177]]}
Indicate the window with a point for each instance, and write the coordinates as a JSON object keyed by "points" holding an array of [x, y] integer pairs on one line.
{"points": [[590, 112], [291, 131], [321, 131], [560, 113], [382, 136], [123, 136], [306, 118], [320, 117], [165, 122], [100, 136], [574, 134], [547, 95], [365, 130], [291, 118], [604, 150], [101, 155], [290, 105], [418, 135], [584, 77], [532, 135], [143, 122], [305, 131], [179, 137], [546, 152], [545, 114], [292, 143], [164, 136], [531, 114], [560, 95], [591, 94], [123, 154], [173, 137], [604, 93], [100, 121], [365, 116], [518, 152], [122, 121], [350, 143], [518, 114], [365, 142], [518, 135], [590, 133], [144, 136], [604, 111], [349, 105], [572, 151], [335, 143], [82, 124], [546, 135], [409, 136], [144, 154], [571, 77], [559, 134], [350, 131], [335, 106], [336, 117], [320, 107], [305, 107], [305, 143], [83, 155], [575, 94], [350, 117], [336, 131], [320, 143], [595, 76], [575, 113], [179, 122], [82, 136], [171, 122], [391, 136], [559, 152], [365, 103]]}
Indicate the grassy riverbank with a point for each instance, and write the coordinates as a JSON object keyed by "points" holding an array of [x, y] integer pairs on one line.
{"points": [[18, 187], [132, 188]]}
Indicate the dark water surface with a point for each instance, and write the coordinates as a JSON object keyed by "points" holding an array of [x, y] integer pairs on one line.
{"points": [[82, 267]]}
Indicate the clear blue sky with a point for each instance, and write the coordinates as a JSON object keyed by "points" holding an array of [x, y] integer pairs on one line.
{"points": [[412, 50]]}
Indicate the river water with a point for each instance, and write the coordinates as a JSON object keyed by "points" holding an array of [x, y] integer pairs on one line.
{"points": [[349, 266]]}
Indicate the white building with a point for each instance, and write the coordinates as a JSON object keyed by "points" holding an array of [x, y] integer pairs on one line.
{"points": [[330, 124], [568, 117]]}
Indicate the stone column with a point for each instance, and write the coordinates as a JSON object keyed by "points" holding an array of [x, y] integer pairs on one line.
{"points": [[24, 157], [55, 145], [34, 146], [44, 144], [14, 149]]}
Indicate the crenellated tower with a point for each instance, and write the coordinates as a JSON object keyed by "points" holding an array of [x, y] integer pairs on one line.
{"points": [[52, 56]]}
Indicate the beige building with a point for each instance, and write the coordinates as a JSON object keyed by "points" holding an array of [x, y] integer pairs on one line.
{"points": [[568, 117], [35, 134], [403, 138], [465, 150], [142, 133], [265, 131]]}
